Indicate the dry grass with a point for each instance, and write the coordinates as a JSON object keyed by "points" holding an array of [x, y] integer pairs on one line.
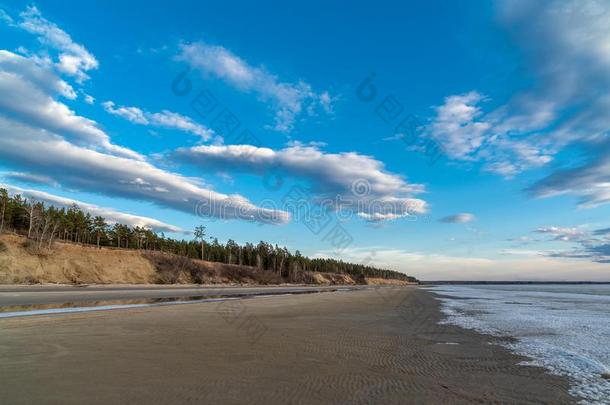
{"points": [[171, 269], [34, 248], [385, 281], [21, 262]]}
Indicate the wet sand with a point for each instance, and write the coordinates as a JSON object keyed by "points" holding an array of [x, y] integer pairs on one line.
{"points": [[370, 346], [16, 295]]}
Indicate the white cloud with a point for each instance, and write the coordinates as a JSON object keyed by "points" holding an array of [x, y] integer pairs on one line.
{"points": [[89, 99], [29, 178], [467, 134], [43, 153], [456, 125], [74, 59], [43, 137], [4, 17], [164, 119], [522, 252], [390, 216], [290, 100], [590, 181], [168, 119], [27, 94], [458, 218], [132, 114], [562, 233], [35, 71], [590, 245], [565, 47], [111, 215], [346, 181]]}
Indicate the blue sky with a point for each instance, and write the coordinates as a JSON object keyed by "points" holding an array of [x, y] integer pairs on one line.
{"points": [[503, 176]]}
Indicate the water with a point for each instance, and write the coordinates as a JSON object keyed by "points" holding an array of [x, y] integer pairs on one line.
{"points": [[12, 311], [90, 306], [564, 328]]}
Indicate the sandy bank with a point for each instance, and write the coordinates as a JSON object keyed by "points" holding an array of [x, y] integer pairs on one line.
{"points": [[69, 263]]}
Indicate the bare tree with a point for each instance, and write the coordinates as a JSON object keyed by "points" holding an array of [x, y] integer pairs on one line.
{"points": [[32, 218], [55, 226], [45, 227], [200, 235]]}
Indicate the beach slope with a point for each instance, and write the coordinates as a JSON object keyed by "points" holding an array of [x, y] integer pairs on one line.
{"points": [[371, 346]]}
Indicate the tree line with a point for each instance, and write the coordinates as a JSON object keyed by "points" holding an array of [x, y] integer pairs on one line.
{"points": [[45, 224]]}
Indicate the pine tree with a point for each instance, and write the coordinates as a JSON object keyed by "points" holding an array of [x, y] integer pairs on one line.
{"points": [[3, 202], [99, 227]]}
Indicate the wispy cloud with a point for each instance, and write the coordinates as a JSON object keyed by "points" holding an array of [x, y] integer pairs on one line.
{"points": [[41, 136], [591, 245], [522, 252], [589, 181], [290, 100], [29, 178], [351, 180], [88, 170], [74, 58], [5, 18], [163, 119], [602, 232], [467, 134], [563, 234], [29, 94], [457, 126], [461, 218], [565, 48], [89, 99]]}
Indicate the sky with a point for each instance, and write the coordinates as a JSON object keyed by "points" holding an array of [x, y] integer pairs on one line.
{"points": [[449, 141]]}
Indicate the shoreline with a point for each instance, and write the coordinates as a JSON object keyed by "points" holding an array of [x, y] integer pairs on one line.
{"points": [[557, 327], [74, 296], [375, 346]]}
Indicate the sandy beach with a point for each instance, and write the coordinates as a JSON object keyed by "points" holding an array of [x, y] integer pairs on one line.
{"points": [[354, 347]]}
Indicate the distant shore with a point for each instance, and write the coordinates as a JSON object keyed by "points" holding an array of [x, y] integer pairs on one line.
{"points": [[368, 346], [483, 282]]}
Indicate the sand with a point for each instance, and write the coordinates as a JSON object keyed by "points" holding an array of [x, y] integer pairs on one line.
{"points": [[69, 263], [370, 346]]}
